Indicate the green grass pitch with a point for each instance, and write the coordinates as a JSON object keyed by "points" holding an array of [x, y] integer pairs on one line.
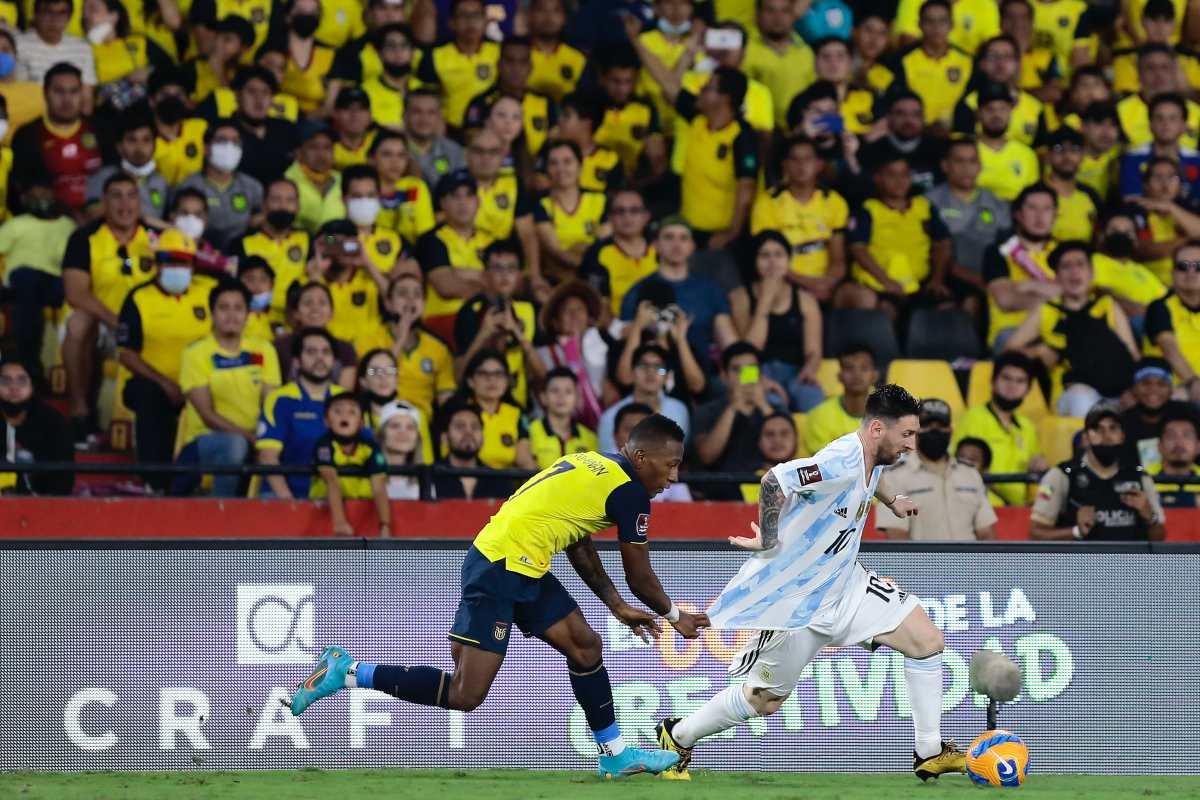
{"points": [[502, 784]]}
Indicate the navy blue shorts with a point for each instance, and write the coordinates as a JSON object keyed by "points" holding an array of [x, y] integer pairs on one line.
{"points": [[493, 598]]}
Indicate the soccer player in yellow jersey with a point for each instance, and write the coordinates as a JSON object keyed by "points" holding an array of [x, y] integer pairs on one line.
{"points": [[506, 579]]}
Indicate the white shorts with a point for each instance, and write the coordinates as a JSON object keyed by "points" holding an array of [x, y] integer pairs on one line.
{"points": [[870, 607]]}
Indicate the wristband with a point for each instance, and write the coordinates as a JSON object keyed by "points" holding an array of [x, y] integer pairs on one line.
{"points": [[1078, 534], [672, 614]]}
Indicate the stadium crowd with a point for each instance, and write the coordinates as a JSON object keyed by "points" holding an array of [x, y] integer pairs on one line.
{"points": [[485, 234]]}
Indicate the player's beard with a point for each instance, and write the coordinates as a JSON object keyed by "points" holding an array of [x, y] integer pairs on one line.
{"points": [[885, 457]]}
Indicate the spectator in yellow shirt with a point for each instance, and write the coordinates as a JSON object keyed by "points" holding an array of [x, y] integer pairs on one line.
{"points": [[1101, 148], [777, 57], [843, 413], [558, 433], [1008, 165], [557, 66], [933, 68], [872, 35], [834, 63], [1163, 223]]}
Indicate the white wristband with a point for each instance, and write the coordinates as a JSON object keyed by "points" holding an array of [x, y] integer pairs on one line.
{"points": [[672, 614], [1078, 534]]}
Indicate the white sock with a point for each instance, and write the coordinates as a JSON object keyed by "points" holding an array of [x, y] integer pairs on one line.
{"points": [[725, 709], [351, 682], [613, 747], [924, 677]]}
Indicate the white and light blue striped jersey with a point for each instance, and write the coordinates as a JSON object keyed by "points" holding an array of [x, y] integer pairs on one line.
{"points": [[826, 500]]}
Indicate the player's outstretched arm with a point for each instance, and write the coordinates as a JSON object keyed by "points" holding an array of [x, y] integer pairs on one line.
{"points": [[770, 503], [586, 562], [644, 583]]}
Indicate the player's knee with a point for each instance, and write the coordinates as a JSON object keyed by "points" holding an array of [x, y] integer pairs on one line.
{"points": [[763, 702], [588, 647], [466, 699], [930, 643]]}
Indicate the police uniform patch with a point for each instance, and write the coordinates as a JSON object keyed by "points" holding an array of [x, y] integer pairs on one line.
{"points": [[383, 247], [294, 253], [239, 202], [200, 312], [566, 72], [507, 440], [953, 74], [190, 150], [722, 151], [427, 366], [483, 72], [501, 201], [359, 298]]}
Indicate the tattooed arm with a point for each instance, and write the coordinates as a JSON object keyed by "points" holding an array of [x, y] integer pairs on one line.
{"points": [[770, 503]]}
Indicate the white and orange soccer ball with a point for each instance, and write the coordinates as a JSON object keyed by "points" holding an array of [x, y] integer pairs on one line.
{"points": [[998, 758]]}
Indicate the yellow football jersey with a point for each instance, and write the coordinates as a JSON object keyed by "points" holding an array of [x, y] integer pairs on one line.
{"points": [[576, 496]]}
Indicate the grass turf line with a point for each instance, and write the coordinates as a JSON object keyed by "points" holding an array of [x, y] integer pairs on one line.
{"points": [[399, 784]]}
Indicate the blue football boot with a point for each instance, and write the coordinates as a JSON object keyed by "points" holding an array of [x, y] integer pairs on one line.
{"points": [[632, 761], [328, 676]]}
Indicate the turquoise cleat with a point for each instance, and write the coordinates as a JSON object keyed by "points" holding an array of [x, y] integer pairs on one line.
{"points": [[327, 678], [633, 761]]}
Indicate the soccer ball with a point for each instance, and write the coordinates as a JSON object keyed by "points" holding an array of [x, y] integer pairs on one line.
{"points": [[998, 758]]}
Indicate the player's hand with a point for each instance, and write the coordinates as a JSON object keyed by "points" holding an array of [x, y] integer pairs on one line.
{"points": [[749, 542], [689, 625], [903, 506], [642, 623]]}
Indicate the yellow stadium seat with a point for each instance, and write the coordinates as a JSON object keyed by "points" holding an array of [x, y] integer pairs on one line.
{"points": [[1057, 434], [798, 420], [928, 379], [827, 377], [979, 391]]}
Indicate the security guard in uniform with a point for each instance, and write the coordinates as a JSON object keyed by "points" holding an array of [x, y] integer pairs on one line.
{"points": [[157, 321], [1094, 496]]}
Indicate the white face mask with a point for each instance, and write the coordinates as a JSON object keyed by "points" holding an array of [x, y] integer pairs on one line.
{"points": [[99, 33], [362, 211], [175, 280], [144, 171], [190, 224], [260, 301], [705, 65], [225, 156]]}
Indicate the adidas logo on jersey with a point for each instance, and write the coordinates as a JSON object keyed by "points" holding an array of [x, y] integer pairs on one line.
{"points": [[841, 512]]}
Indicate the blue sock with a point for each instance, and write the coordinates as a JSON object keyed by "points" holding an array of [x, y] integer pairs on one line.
{"points": [[425, 686], [594, 693]]}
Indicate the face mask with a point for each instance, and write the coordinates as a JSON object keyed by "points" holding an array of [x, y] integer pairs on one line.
{"points": [[305, 25], [10, 409], [1118, 245], [380, 399], [226, 156], [280, 220], [362, 211], [7, 64], [933, 444], [175, 280], [397, 70], [705, 65], [1106, 454], [172, 109], [99, 33], [3, 128], [671, 29], [190, 224], [1005, 404], [145, 170], [905, 146], [260, 301]]}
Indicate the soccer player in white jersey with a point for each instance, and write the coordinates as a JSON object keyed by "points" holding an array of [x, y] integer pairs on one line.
{"points": [[804, 589]]}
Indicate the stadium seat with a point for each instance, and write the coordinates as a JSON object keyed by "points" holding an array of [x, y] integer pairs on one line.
{"points": [[979, 391], [945, 335], [798, 419], [827, 377], [1057, 435], [846, 326], [928, 379]]}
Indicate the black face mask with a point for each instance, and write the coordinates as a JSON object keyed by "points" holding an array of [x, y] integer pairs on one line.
{"points": [[1118, 245], [10, 409], [933, 444], [379, 399], [342, 438], [312, 377], [280, 220], [172, 110], [305, 25], [1006, 404], [397, 70], [1106, 454]]}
